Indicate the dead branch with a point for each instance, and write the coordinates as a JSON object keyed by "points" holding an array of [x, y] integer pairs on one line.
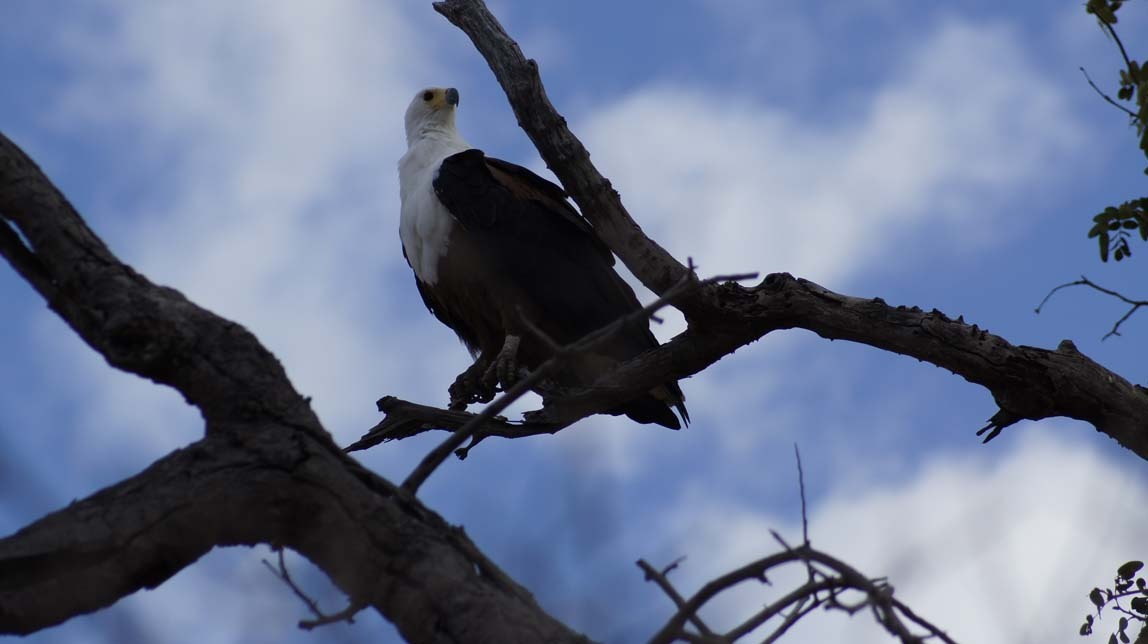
{"points": [[829, 579], [321, 619], [833, 578], [266, 472], [1084, 281]]}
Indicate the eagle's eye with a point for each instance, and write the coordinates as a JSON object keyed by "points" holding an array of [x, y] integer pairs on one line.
{"points": [[428, 95]]}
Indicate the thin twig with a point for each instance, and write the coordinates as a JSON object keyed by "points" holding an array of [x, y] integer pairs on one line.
{"points": [[285, 576], [801, 610], [1107, 97], [804, 593], [1123, 52], [1084, 281], [345, 615], [832, 575], [660, 579], [801, 487], [321, 619]]}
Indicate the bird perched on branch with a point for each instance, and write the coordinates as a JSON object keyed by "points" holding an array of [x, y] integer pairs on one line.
{"points": [[502, 258]]}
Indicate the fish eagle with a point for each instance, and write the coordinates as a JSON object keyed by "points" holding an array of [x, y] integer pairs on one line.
{"points": [[497, 250]]}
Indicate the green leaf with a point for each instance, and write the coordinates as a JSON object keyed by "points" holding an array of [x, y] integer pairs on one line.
{"points": [[1096, 597], [1104, 246], [1125, 93], [1129, 224], [1139, 604], [1094, 231]]}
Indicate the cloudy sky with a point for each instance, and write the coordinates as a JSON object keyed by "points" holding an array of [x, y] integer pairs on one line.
{"points": [[243, 152]]}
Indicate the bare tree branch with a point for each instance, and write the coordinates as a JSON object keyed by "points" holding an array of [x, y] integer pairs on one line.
{"points": [[831, 575], [1084, 281], [827, 575], [1026, 382], [1106, 97], [660, 577], [276, 485], [408, 419], [267, 472]]}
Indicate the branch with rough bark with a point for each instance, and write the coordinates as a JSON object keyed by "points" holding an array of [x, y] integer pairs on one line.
{"points": [[266, 472], [1025, 382]]}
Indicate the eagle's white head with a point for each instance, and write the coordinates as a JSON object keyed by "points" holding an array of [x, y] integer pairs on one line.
{"points": [[431, 113]]}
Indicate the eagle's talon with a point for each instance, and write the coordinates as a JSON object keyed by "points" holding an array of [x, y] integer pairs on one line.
{"points": [[504, 369], [470, 387]]}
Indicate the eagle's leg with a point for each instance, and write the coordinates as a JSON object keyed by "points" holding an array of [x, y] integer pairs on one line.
{"points": [[471, 386], [504, 368]]}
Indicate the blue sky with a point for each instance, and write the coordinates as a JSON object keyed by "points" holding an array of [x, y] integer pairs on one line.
{"points": [[244, 153]]}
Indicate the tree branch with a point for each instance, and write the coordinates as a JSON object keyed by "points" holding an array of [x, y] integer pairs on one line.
{"points": [[830, 575], [273, 485], [405, 419], [267, 471], [148, 330], [1084, 281], [1026, 382]]}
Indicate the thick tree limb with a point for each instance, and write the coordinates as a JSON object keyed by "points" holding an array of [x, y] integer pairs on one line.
{"points": [[267, 472], [142, 328], [1026, 382], [276, 485]]}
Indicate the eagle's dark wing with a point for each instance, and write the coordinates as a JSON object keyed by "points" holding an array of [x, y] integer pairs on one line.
{"points": [[538, 243]]}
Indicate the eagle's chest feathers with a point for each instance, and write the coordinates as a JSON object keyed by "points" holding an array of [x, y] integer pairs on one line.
{"points": [[425, 225]]}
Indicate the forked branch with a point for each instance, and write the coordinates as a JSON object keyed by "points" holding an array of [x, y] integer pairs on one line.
{"points": [[831, 584]]}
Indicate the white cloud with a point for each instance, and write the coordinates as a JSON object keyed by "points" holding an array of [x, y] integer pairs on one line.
{"points": [[743, 186], [991, 546], [740, 186], [264, 139]]}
